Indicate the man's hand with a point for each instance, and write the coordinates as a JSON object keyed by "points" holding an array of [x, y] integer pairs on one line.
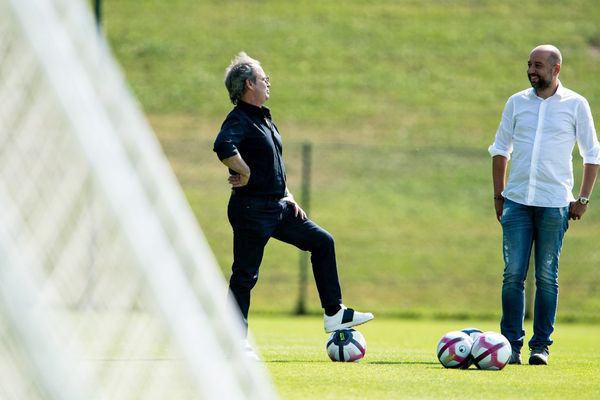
{"points": [[238, 180], [576, 210], [499, 167], [498, 205], [237, 164], [298, 211]]}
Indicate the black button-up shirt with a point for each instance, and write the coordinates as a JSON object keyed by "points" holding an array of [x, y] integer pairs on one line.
{"points": [[249, 131]]}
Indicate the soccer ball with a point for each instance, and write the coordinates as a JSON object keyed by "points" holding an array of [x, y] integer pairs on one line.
{"points": [[453, 350], [491, 350], [473, 333], [346, 345]]}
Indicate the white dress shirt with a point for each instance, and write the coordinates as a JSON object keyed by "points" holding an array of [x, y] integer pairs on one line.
{"points": [[540, 134]]}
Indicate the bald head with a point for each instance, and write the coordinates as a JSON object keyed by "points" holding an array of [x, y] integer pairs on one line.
{"points": [[551, 52], [543, 68]]}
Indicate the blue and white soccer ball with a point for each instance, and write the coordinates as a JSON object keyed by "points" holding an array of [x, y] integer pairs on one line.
{"points": [[473, 333], [346, 345]]}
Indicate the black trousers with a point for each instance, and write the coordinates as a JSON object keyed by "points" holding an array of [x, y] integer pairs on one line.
{"points": [[254, 221]]}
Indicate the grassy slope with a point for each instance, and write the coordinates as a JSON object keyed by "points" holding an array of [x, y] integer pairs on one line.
{"points": [[401, 100]]}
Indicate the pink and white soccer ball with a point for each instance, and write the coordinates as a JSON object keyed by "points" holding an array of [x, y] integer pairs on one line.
{"points": [[346, 345], [491, 350], [454, 349]]}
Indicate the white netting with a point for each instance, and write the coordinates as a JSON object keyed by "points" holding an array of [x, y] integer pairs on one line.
{"points": [[108, 289]]}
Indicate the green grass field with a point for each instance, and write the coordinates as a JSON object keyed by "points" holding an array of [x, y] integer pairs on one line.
{"points": [[401, 363], [400, 100]]}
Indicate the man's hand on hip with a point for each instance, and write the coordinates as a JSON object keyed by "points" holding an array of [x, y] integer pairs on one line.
{"points": [[298, 211], [238, 180]]}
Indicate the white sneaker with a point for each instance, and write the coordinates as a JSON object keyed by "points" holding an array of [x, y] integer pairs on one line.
{"points": [[345, 318], [249, 351]]}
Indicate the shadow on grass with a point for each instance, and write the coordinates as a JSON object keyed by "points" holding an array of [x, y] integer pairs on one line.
{"points": [[403, 363], [364, 362], [297, 361]]}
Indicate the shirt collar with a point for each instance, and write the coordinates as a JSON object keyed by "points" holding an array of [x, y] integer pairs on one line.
{"points": [[260, 112], [560, 91]]}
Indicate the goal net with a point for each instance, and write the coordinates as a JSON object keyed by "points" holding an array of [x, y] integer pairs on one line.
{"points": [[108, 289]]}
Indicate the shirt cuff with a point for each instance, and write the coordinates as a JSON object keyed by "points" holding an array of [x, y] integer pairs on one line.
{"points": [[591, 155], [226, 151], [494, 151], [591, 160]]}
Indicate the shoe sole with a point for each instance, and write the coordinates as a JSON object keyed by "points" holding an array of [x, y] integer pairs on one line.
{"points": [[535, 360], [348, 325]]}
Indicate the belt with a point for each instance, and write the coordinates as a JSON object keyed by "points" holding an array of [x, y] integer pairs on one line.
{"points": [[255, 197]]}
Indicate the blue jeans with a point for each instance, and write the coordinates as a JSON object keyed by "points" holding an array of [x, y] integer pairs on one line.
{"points": [[541, 229]]}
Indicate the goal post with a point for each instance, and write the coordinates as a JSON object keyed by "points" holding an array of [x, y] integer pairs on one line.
{"points": [[106, 280]]}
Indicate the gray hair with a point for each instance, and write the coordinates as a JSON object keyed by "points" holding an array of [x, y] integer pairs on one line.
{"points": [[237, 73]]}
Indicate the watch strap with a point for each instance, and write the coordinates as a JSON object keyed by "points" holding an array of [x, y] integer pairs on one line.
{"points": [[583, 200]]}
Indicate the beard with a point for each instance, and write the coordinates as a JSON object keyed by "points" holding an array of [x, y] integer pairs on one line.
{"points": [[541, 83]]}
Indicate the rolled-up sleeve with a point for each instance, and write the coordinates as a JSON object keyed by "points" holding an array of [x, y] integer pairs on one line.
{"points": [[503, 144], [586, 135], [229, 137]]}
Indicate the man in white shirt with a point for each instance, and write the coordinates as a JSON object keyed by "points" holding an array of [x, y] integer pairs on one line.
{"points": [[538, 131]]}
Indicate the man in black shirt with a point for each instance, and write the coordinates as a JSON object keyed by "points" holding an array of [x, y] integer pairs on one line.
{"points": [[261, 206]]}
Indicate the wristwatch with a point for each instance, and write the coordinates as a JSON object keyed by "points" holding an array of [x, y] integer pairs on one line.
{"points": [[583, 200]]}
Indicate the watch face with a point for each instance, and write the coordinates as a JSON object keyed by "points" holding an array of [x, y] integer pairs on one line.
{"points": [[583, 200]]}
